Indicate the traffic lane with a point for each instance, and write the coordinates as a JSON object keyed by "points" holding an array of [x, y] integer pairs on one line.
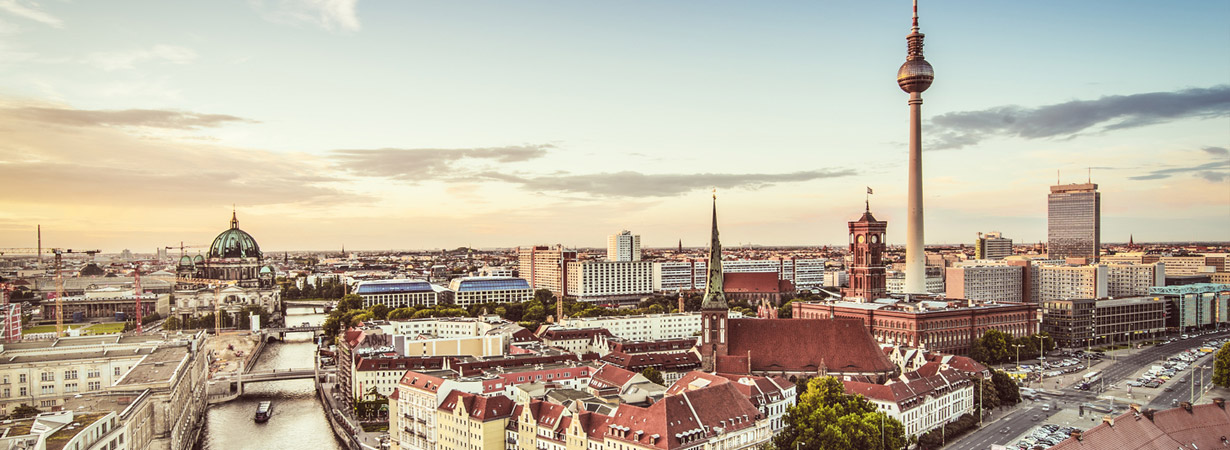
{"points": [[1017, 423], [1182, 390]]}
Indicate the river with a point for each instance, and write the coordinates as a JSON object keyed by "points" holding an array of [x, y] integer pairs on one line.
{"points": [[298, 420]]}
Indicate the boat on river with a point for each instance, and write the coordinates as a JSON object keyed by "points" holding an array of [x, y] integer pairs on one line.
{"points": [[264, 411]]}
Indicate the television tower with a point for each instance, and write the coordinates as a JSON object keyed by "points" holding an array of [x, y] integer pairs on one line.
{"points": [[914, 77]]}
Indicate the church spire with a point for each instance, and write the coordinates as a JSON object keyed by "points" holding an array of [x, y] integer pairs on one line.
{"points": [[715, 295], [234, 218]]}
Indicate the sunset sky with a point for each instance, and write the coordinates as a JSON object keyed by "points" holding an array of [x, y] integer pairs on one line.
{"points": [[432, 124]]}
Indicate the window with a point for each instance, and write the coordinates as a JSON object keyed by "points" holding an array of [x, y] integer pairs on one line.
{"points": [[47, 390], [117, 371], [70, 374], [22, 391], [48, 376], [93, 373], [47, 403], [70, 387]]}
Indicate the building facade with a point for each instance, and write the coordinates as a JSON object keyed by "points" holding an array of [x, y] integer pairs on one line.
{"points": [[1086, 322], [868, 280], [1074, 221], [690, 275], [983, 283], [478, 290], [623, 246], [595, 281], [545, 267], [944, 326], [402, 293], [992, 246]]}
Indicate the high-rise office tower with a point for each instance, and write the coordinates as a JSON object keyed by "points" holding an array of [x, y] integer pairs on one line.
{"points": [[623, 246], [545, 267], [1074, 221], [993, 245], [914, 77]]}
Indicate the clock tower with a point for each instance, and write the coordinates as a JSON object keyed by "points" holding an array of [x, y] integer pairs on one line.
{"points": [[867, 278]]}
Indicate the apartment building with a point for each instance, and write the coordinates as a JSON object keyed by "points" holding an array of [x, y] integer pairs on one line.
{"points": [[921, 402], [996, 283], [545, 267], [469, 291], [596, 281], [402, 293]]}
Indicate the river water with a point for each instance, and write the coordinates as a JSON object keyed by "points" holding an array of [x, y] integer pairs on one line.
{"points": [[298, 420]]}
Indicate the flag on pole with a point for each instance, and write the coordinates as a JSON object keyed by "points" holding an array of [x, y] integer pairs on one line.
{"points": [[869, 190]]}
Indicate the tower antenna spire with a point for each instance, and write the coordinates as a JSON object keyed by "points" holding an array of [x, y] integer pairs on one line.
{"points": [[915, 15]]}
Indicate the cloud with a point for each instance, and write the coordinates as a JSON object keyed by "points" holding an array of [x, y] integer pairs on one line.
{"points": [[90, 162], [151, 118], [1215, 171], [331, 15], [1216, 151], [127, 59], [30, 11], [1067, 120], [635, 184], [418, 164]]}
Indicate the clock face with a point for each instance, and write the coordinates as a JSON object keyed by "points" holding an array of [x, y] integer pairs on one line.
{"points": [[875, 239], [861, 238]]}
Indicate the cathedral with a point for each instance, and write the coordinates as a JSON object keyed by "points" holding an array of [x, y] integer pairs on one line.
{"points": [[231, 271], [789, 348]]}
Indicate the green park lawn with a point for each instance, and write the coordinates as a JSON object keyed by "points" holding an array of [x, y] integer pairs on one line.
{"points": [[45, 329], [105, 328]]}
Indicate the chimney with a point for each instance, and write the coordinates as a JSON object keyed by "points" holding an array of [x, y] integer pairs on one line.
{"points": [[1220, 402], [1135, 408], [1076, 434], [1187, 406], [1149, 414], [1108, 420]]}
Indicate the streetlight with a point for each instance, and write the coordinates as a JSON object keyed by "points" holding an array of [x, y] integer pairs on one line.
{"points": [[1018, 355]]}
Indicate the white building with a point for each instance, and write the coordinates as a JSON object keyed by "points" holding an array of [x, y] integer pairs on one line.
{"points": [[623, 246], [478, 290], [609, 280], [402, 293], [895, 282], [1000, 283], [1186, 265], [1071, 282], [670, 276], [921, 403], [649, 327], [1131, 280], [543, 266]]}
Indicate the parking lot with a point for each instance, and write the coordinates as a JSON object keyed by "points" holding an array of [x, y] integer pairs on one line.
{"points": [[1045, 435]]}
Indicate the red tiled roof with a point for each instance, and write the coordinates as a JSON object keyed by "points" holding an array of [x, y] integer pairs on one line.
{"points": [[743, 282], [479, 407], [909, 393], [593, 424], [664, 361], [610, 376], [394, 396], [524, 335], [421, 381], [556, 334], [654, 346], [1204, 427], [695, 380], [839, 345], [408, 363], [669, 422]]}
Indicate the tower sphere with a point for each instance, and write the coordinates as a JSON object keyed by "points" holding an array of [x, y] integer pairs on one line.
{"points": [[915, 75]]}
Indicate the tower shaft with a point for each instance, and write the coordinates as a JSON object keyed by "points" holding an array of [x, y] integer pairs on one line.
{"points": [[915, 255]]}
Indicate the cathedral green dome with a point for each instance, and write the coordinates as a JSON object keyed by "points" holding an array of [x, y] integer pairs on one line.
{"points": [[234, 243]]}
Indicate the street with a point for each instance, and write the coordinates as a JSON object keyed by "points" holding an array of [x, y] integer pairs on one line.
{"points": [[1116, 368]]}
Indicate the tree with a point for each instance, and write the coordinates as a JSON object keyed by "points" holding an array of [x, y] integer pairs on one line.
{"points": [[380, 311], [1006, 388], [171, 324], [985, 395], [24, 411], [825, 417], [1221, 366], [401, 314], [786, 311], [653, 375], [991, 348]]}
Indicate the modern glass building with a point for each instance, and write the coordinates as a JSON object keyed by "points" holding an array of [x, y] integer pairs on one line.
{"points": [[478, 290], [1074, 221]]}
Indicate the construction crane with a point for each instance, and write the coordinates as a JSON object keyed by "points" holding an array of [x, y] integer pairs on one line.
{"points": [[136, 289], [181, 247], [59, 263]]}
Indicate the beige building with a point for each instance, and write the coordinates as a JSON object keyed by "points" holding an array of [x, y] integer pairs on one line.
{"points": [[1129, 280], [609, 280], [1071, 282], [999, 283], [1186, 265], [472, 422], [543, 266], [40, 375]]}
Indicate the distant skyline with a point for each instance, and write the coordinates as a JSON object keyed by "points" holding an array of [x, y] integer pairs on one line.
{"points": [[420, 125]]}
